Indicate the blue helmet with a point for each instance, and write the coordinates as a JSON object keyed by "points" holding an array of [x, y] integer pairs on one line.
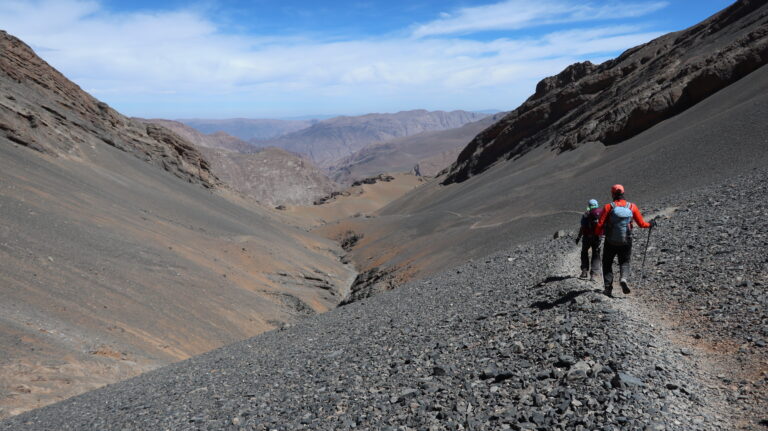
{"points": [[593, 204]]}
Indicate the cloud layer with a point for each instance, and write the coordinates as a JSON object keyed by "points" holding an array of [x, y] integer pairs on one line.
{"points": [[181, 63], [519, 14]]}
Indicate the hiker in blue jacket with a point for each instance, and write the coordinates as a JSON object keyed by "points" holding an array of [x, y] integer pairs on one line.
{"points": [[590, 240]]}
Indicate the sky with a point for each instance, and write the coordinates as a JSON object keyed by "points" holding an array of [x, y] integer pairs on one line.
{"points": [[295, 58]]}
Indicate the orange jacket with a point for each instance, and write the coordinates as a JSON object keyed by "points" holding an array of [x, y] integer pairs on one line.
{"points": [[636, 216]]}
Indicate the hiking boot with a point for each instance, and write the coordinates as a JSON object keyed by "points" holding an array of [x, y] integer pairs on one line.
{"points": [[608, 291], [593, 276], [584, 273], [624, 286]]}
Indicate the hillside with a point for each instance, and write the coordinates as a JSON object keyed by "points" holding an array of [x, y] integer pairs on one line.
{"points": [[248, 129], [614, 101], [509, 341], [45, 112], [431, 151], [119, 250], [329, 141]]}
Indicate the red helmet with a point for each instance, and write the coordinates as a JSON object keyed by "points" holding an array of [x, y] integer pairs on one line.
{"points": [[617, 189]]}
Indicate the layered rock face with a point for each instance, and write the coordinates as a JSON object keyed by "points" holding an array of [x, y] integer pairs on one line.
{"points": [[41, 109], [620, 98], [329, 141]]}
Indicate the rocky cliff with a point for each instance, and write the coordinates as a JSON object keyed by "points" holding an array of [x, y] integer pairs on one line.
{"points": [[620, 98], [43, 110]]}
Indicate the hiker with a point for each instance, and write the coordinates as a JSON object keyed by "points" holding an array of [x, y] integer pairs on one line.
{"points": [[616, 224], [591, 240]]}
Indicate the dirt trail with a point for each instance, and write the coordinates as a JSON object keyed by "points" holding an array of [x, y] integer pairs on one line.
{"points": [[707, 364], [711, 362]]}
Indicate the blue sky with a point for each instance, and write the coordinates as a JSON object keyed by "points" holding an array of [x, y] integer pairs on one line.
{"points": [[276, 59]]}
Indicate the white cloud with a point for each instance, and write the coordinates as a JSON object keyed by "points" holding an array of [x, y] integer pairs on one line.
{"points": [[179, 63], [518, 14]]}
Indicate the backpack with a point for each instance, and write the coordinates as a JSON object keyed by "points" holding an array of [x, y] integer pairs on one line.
{"points": [[619, 231], [591, 220]]}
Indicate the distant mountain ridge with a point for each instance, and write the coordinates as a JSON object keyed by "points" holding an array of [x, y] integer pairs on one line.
{"points": [[328, 142], [426, 152], [247, 128], [218, 140]]}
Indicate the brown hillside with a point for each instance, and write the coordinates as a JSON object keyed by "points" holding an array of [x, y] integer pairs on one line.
{"points": [[109, 265]]}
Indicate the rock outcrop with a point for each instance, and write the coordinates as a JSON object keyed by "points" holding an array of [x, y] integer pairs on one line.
{"points": [[620, 98], [43, 110], [271, 175]]}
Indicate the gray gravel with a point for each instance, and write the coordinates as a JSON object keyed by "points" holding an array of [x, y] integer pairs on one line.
{"points": [[511, 341]]}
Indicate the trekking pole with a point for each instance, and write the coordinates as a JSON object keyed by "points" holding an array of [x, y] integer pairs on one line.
{"points": [[645, 253]]}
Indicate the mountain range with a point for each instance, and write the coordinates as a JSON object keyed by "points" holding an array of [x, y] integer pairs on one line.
{"points": [[426, 153], [330, 141], [383, 143], [121, 250], [248, 129]]}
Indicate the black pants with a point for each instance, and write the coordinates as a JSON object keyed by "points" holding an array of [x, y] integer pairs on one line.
{"points": [[624, 252], [587, 243]]}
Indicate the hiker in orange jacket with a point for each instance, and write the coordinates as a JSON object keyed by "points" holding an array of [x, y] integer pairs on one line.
{"points": [[616, 224]]}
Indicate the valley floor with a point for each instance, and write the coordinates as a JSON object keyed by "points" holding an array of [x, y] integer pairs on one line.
{"points": [[511, 341]]}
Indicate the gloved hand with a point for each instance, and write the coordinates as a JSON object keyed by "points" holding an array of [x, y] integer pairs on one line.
{"points": [[654, 223], [578, 238]]}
